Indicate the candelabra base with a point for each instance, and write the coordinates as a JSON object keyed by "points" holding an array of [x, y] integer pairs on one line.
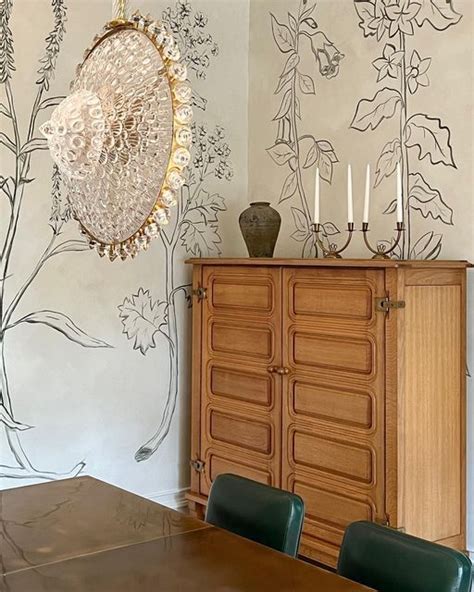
{"points": [[332, 251], [381, 252]]}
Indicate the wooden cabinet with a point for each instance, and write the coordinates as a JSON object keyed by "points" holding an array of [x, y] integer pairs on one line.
{"points": [[343, 381]]}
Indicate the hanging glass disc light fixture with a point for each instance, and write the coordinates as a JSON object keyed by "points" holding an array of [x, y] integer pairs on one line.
{"points": [[121, 139]]}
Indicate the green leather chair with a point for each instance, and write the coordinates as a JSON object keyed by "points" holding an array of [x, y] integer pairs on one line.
{"points": [[266, 515], [391, 561]]}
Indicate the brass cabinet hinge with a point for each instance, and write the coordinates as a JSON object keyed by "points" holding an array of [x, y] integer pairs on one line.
{"points": [[197, 465], [200, 293], [385, 521], [385, 304]]}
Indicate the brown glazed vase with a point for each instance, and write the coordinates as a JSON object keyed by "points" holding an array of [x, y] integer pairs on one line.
{"points": [[260, 225]]}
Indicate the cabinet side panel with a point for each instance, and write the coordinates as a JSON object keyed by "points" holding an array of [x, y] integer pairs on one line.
{"points": [[434, 411]]}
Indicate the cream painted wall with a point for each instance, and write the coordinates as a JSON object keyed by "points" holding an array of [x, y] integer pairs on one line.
{"points": [[100, 405]]}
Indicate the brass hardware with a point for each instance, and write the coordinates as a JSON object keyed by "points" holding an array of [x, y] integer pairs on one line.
{"points": [[381, 251], [200, 293], [197, 465], [385, 521], [332, 251], [385, 304], [280, 370]]}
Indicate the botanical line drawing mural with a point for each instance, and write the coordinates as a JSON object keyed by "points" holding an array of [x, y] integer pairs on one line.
{"points": [[14, 184], [194, 228], [292, 149], [404, 72]]}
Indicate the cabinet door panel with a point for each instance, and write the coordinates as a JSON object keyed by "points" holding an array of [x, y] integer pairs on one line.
{"points": [[333, 401], [240, 398]]}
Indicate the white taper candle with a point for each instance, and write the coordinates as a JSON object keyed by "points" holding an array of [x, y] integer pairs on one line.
{"points": [[316, 198], [350, 206], [399, 194], [367, 196]]}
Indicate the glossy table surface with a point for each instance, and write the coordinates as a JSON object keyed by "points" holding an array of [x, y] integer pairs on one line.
{"points": [[85, 535]]}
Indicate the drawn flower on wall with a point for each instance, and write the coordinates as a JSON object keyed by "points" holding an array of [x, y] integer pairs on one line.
{"points": [[327, 55], [195, 229], [13, 186], [421, 134], [293, 150], [401, 16], [389, 63], [417, 73]]}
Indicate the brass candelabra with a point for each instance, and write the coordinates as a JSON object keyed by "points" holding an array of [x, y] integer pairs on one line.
{"points": [[381, 251], [332, 251]]}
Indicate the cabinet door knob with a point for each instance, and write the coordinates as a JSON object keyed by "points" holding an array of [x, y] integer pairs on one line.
{"points": [[280, 370]]}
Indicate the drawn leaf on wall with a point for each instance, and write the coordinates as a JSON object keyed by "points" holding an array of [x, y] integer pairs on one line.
{"points": [[11, 423], [284, 106], [291, 63], [5, 140], [50, 102], [311, 24], [70, 246], [371, 112], [431, 138], [208, 205], [330, 229], [34, 144], [284, 80], [427, 247], [440, 14], [292, 22], [4, 111], [289, 187], [428, 201], [282, 35], [387, 162], [142, 318], [312, 155], [326, 147], [281, 153], [63, 324], [201, 239], [366, 12], [321, 152], [391, 208], [326, 167], [301, 224], [306, 84]]}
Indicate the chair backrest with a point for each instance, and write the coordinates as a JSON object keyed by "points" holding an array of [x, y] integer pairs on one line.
{"points": [[258, 512], [391, 561]]}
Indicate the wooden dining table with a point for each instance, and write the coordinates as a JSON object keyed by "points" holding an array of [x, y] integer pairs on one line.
{"points": [[84, 535]]}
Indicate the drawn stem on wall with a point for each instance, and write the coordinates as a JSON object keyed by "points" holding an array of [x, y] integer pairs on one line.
{"points": [[405, 72], [194, 228], [12, 188], [305, 151]]}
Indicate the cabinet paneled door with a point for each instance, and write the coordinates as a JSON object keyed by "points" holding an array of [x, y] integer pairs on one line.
{"points": [[343, 381]]}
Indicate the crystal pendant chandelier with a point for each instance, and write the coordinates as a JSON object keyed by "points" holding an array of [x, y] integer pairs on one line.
{"points": [[121, 139]]}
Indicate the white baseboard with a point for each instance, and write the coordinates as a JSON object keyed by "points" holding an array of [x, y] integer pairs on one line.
{"points": [[171, 498]]}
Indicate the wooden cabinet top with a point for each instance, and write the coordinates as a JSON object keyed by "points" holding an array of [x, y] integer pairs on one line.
{"points": [[365, 263]]}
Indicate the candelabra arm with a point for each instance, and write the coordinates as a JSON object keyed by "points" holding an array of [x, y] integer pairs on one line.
{"points": [[381, 252], [333, 252]]}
